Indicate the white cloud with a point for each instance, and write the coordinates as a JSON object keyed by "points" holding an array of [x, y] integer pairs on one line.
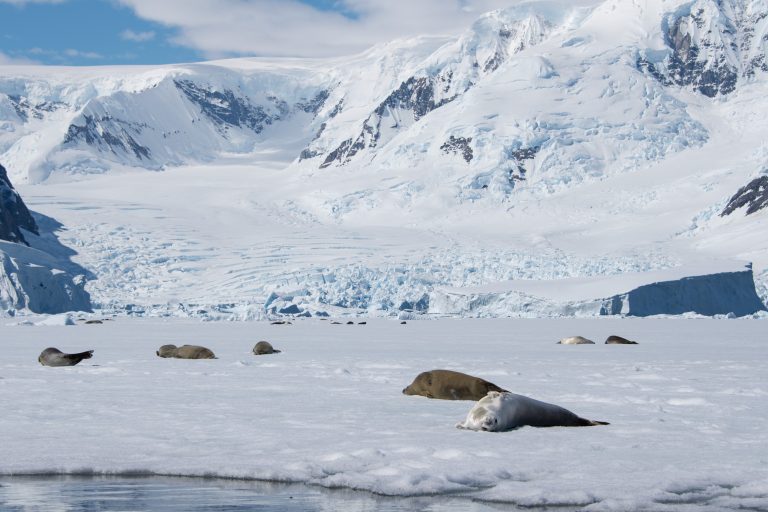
{"points": [[221, 28], [69, 52], [138, 37], [7, 60]]}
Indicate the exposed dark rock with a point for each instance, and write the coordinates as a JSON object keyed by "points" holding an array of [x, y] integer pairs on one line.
{"points": [[459, 145], [314, 105], [227, 109], [417, 95], [518, 157], [14, 214], [24, 109], [754, 195], [109, 134], [711, 47]]}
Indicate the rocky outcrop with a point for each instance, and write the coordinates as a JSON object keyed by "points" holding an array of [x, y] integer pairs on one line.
{"points": [[713, 44], [225, 108], [31, 278], [753, 196], [108, 134], [14, 215], [459, 146], [493, 39]]}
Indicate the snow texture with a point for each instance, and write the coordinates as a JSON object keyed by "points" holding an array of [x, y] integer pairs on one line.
{"points": [[686, 408]]}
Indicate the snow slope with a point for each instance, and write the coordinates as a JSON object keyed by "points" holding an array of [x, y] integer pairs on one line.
{"points": [[686, 408]]}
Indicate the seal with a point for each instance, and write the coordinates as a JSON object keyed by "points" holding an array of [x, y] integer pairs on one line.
{"points": [[264, 347], [55, 357], [575, 340], [450, 385], [618, 340], [186, 352], [500, 411]]}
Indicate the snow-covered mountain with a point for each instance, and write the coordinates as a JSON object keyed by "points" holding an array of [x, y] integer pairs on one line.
{"points": [[552, 140], [34, 268]]}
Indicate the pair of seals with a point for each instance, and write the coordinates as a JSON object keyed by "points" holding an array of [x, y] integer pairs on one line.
{"points": [[450, 385], [55, 357], [186, 352], [500, 411], [264, 347], [580, 340]]}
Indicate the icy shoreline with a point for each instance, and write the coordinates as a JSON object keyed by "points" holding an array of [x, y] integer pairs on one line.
{"points": [[685, 406]]}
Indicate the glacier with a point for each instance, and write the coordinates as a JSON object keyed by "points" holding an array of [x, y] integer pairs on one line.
{"points": [[597, 140]]}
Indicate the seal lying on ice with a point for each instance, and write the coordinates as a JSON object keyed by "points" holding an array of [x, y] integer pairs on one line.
{"points": [[618, 340], [264, 347], [55, 357], [450, 385], [186, 352], [575, 340], [497, 412]]}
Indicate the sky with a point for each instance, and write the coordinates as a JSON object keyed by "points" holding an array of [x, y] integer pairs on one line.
{"points": [[108, 32]]}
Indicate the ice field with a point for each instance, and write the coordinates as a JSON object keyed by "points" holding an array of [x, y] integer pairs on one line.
{"points": [[686, 407]]}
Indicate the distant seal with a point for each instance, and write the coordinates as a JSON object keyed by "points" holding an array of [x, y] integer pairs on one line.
{"points": [[450, 385], [500, 411], [575, 340], [264, 347], [55, 357], [186, 352], [618, 340], [93, 322]]}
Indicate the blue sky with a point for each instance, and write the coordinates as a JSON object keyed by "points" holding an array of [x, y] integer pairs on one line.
{"points": [[86, 32], [102, 32]]}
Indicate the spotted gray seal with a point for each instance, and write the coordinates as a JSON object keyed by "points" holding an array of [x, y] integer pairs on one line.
{"points": [[500, 411], [264, 347], [55, 357], [450, 385], [186, 352], [618, 340], [575, 340]]}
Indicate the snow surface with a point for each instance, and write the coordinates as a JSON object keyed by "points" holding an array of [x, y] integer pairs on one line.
{"points": [[686, 407]]}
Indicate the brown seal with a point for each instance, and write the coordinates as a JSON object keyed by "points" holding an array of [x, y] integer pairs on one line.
{"points": [[186, 352], [618, 340], [575, 340], [264, 347], [55, 357], [450, 385]]}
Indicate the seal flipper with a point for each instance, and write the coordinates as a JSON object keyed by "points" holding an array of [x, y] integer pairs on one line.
{"points": [[76, 358], [583, 422]]}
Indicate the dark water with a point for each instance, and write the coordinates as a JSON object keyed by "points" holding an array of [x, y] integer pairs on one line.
{"points": [[164, 494]]}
